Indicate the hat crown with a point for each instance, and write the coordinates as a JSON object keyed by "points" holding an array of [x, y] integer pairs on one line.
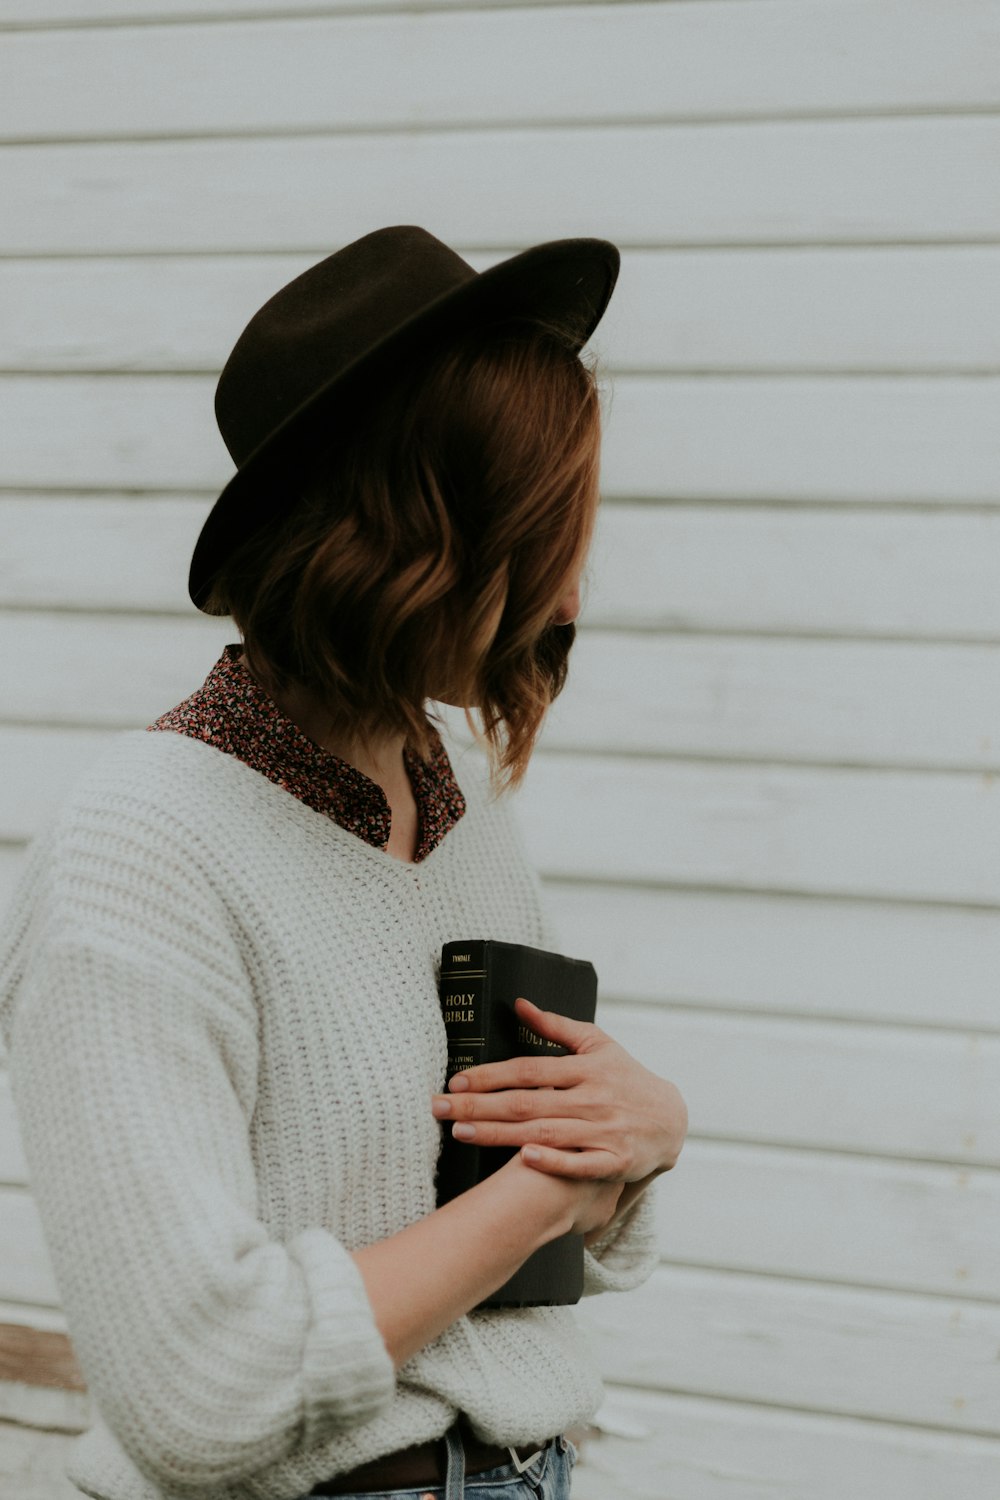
{"points": [[320, 323]]}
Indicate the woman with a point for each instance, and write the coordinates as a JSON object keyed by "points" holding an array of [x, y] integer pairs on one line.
{"points": [[219, 977]]}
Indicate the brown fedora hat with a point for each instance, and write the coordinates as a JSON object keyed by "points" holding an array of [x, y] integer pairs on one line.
{"points": [[376, 304]]}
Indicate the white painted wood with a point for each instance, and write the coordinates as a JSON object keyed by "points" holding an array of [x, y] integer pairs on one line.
{"points": [[111, 431], [807, 307], [716, 309], [50, 1319], [87, 670], [764, 438], [13, 1167], [902, 1092], [829, 438], [825, 831], [854, 702], [46, 1407], [25, 1263], [32, 1460], [864, 703], [825, 1216], [39, 768], [792, 955], [816, 570], [884, 180], [535, 63], [123, 553], [830, 831], [12, 857], [909, 576], [29, 14], [694, 1448], [884, 1356]]}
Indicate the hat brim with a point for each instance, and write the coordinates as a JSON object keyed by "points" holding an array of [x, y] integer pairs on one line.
{"points": [[566, 282]]}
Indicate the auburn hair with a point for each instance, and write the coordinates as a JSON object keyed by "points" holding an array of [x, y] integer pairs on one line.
{"points": [[428, 544]]}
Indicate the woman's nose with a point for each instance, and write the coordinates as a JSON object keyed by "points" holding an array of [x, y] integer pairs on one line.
{"points": [[568, 609]]}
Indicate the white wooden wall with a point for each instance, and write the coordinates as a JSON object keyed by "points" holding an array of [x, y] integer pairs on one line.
{"points": [[766, 804]]}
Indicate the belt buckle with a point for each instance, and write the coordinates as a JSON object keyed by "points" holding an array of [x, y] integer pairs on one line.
{"points": [[520, 1464]]}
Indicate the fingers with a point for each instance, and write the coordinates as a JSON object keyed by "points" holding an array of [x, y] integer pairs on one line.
{"points": [[559, 1134], [520, 1104], [556, 1028], [519, 1073], [583, 1165]]}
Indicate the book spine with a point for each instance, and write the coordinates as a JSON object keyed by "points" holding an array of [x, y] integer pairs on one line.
{"points": [[464, 993], [464, 997]]}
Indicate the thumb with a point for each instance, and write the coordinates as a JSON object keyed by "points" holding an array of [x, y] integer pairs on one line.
{"points": [[554, 1027]]}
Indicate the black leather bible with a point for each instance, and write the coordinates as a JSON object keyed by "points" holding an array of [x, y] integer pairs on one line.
{"points": [[480, 980]]}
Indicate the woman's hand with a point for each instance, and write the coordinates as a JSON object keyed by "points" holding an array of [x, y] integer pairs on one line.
{"points": [[597, 1113]]}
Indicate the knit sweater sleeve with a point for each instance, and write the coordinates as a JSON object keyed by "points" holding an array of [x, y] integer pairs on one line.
{"points": [[211, 1348]]}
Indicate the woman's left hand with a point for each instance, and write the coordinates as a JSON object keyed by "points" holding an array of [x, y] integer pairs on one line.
{"points": [[595, 1113]]}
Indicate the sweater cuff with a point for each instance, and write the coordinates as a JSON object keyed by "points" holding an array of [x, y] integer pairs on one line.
{"points": [[348, 1376], [627, 1255]]}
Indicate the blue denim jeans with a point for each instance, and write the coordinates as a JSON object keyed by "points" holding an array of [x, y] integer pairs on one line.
{"points": [[547, 1478]]}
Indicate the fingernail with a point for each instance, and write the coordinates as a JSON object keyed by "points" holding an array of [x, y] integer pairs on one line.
{"points": [[440, 1107], [531, 1153], [459, 1083], [463, 1131]]}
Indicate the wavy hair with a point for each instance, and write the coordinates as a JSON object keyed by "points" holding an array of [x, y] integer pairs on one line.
{"points": [[429, 544]]}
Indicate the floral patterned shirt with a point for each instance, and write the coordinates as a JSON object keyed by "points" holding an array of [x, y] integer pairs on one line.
{"points": [[233, 712]]}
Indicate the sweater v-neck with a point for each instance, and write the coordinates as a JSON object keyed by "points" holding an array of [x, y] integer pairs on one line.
{"points": [[233, 713]]}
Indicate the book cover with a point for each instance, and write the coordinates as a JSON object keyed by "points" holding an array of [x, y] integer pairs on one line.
{"points": [[480, 980]]}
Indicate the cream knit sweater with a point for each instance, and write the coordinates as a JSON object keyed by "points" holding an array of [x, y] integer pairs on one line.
{"points": [[223, 1031]]}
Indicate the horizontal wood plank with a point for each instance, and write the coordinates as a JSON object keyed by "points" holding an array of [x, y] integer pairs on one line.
{"points": [[861, 703], [650, 1445], [884, 180], [825, 831], [822, 831], [33, 1456], [828, 438], [27, 14], [12, 858], [847, 308], [903, 1092], [25, 1263], [901, 575], [852, 1352], [680, 61], [819, 1215], [791, 955]]}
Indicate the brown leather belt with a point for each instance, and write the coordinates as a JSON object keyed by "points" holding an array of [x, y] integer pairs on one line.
{"points": [[425, 1464]]}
